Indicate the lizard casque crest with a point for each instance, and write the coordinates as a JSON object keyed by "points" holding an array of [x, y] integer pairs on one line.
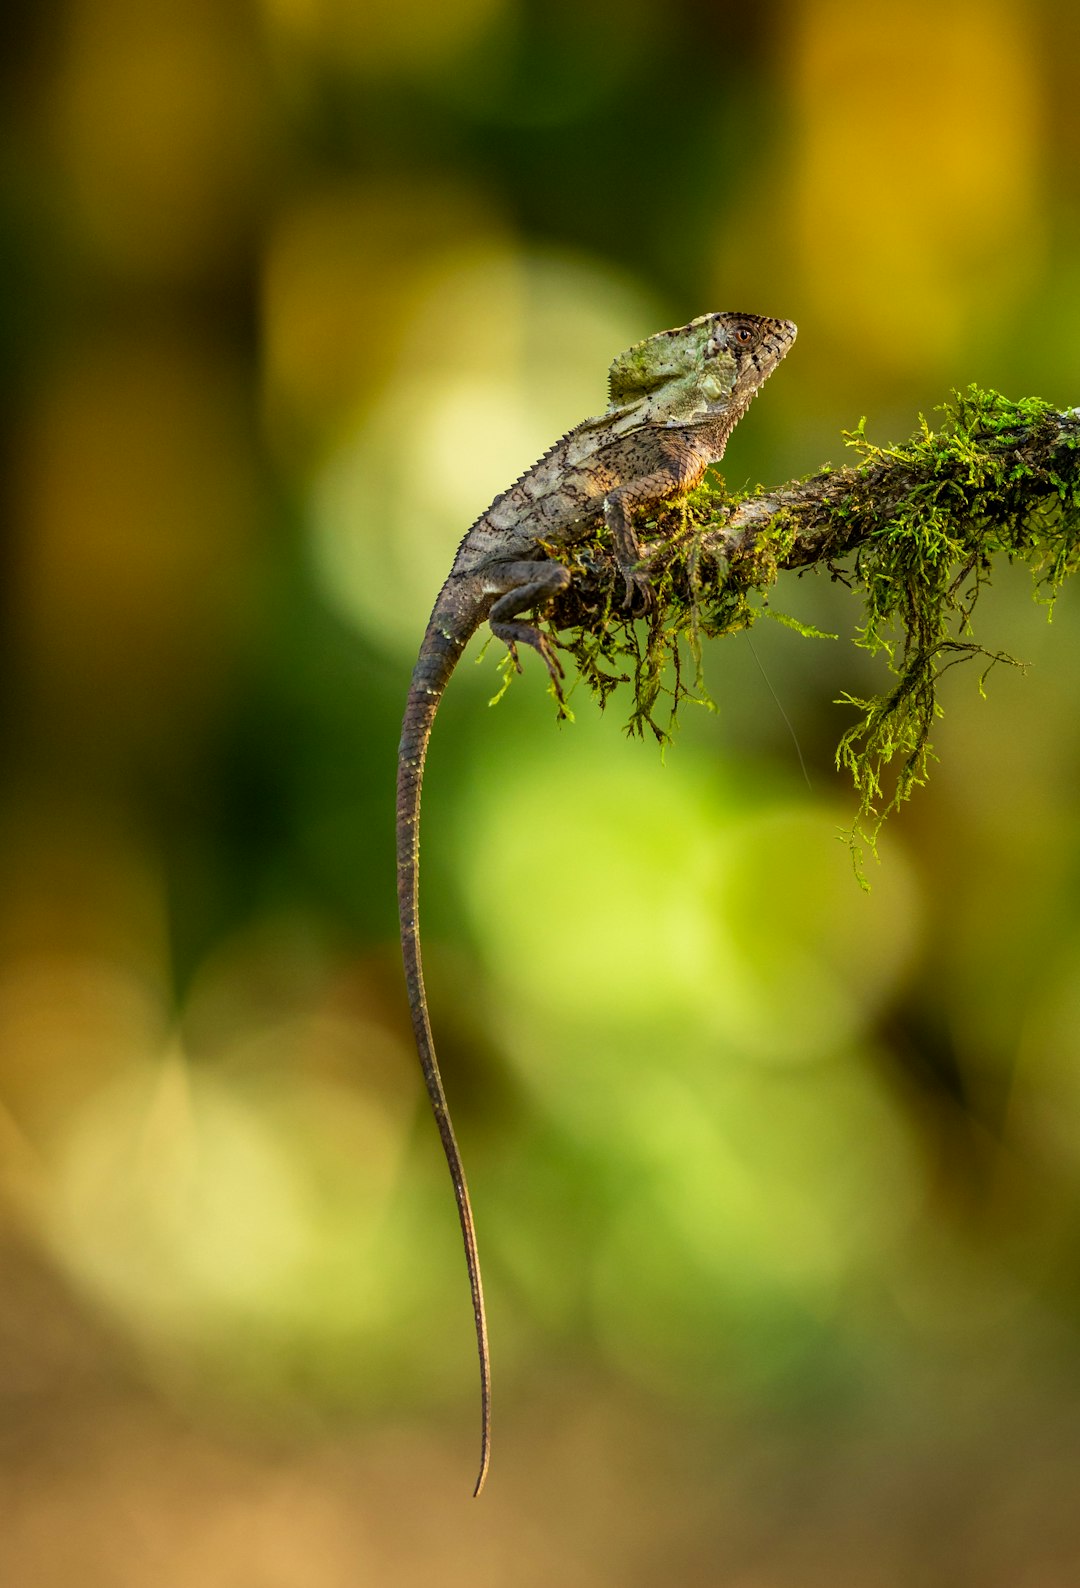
{"points": [[674, 400]]}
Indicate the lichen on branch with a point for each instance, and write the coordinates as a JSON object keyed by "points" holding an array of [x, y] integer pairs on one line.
{"points": [[914, 529]]}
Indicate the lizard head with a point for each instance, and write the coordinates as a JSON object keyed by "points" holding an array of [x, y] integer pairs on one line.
{"points": [[713, 366]]}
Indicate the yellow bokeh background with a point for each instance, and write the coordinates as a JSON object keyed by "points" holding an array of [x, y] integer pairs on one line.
{"points": [[777, 1181]]}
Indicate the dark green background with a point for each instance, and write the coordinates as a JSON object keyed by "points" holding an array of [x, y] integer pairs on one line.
{"points": [[777, 1182]]}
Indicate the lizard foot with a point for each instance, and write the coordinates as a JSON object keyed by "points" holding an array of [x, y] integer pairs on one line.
{"points": [[515, 634], [638, 584], [529, 584], [552, 663]]}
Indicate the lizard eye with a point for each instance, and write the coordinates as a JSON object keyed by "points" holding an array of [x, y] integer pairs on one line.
{"points": [[744, 336]]}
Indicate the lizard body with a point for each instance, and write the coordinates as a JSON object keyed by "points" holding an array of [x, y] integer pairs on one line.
{"points": [[675, 399]]}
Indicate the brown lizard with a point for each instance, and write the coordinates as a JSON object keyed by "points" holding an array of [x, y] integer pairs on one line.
{"points": [[674, 400]]}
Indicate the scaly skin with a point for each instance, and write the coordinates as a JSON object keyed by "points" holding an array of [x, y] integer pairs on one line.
{"points": [[675, 399]]}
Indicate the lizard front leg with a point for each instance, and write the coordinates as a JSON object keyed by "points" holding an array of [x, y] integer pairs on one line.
{"points": [[627, 549], [679, 473], [521, 586]]}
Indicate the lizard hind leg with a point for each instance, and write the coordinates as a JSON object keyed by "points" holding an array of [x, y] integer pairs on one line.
{"points": [[521, 587]]}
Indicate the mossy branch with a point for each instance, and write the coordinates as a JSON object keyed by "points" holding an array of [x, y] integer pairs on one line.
{"points": [[914, 528]]}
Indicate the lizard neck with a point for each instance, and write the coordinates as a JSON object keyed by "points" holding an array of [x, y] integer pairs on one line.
{"points": [[709, 435]]}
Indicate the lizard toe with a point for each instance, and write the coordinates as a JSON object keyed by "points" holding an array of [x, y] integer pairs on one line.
{"points": [[639, 589]]}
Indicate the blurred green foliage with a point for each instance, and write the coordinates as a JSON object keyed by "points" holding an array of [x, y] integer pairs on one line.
{"points": [[777, 1184]]}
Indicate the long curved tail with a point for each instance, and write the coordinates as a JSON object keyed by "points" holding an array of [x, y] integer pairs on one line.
{"points": [[444, 641]]}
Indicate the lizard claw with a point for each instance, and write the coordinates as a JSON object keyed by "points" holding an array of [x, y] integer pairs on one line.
{"points": [[552, 663], [638, 583]]}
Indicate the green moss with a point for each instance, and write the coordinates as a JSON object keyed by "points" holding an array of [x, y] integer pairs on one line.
{"points": [[915, 529], [962, 497], [701, 593]]}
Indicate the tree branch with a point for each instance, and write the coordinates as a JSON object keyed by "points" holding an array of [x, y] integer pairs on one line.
{"points": [[915, 528]]}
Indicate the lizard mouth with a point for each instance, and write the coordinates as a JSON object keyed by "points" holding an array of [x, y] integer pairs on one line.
{"points": [[779, 337], [774, 345]]}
